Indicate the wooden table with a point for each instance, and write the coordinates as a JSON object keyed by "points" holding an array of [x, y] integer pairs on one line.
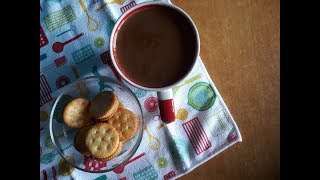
{"points": [[240, 47]]}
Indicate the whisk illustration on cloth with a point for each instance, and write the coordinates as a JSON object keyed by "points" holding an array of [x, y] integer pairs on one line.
{"points": [[153, 142]]}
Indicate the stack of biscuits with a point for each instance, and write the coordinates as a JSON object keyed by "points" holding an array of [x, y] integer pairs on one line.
{"points": [[104, 124]]}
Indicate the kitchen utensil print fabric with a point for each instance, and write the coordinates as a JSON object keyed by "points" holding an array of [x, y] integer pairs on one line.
{"points": [[74, 43]]}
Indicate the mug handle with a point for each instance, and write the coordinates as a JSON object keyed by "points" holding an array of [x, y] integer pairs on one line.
{"points": [[166, 106]]}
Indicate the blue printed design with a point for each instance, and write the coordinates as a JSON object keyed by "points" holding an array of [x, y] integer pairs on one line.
{"points": [[179, 150], [201, 96], [147, 173], [101, 83], [140, 93], [83, 54], [103, 177]]}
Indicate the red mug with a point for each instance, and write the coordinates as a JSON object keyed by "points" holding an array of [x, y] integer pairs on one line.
{"points": [[165, 94]]}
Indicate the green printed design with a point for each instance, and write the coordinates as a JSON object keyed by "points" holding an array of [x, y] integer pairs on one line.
{"points": [[103, 177], [83, 54], [110, 23], [99, 42], [48, 158], [95, 72], [146, 173], [162, 162], [218, 123], [201, 96], [60, 106], [59, 18]]}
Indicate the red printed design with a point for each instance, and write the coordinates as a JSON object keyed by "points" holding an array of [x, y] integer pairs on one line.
{"points": [[54, 173], [91, 164], [127, 7], [62, 81], [43, 38], [196, 135], [232, 137], [57, 47], [169, 175], [45, 91], [120, 170], [60, 61], [106, 59], [151, 104], [44, 173], [57, 63]]}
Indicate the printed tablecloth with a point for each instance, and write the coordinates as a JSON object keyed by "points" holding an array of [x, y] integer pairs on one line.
{"points": [[74, 43]]}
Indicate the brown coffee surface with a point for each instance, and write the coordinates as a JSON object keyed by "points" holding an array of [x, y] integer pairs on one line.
{"points": [[155, 46]]}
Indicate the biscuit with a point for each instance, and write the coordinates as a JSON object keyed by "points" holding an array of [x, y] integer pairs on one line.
{"points": [[65, 169], [76, 113], [104, 105], [125, 123], [79, 140], [115, 154], [121, 106], [102, 140], [106, 119]]}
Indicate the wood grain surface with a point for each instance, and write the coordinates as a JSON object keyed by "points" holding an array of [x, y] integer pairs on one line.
{"points": [[240, 47]]}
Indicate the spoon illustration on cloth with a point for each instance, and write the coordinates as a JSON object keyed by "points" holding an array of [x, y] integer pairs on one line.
{"points": [[186, 83], [57, 47], [119, 170]]}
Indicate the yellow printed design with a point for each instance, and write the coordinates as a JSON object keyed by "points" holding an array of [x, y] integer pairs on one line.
{"points": [[65, 169], [92, 24], [188, 81], [162, 125], [182, 114], [43, 115], [153, 142], [108, 3]]}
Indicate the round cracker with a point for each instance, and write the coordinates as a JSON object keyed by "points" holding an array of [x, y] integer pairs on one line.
{"points": [[121, 106], [79, 140], [102, 140], [76, 113], [115, 154], [125, 123], [104, 105]]}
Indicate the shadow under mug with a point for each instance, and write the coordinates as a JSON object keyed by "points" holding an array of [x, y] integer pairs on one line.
{"points": [[164, 94]]}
